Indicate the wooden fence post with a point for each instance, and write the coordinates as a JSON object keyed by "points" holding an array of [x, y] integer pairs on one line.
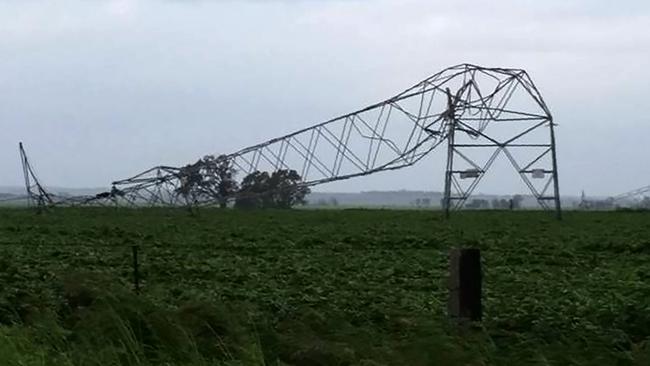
{"points": [[465, 285]]}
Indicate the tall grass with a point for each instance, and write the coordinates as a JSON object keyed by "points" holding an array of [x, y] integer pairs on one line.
{"points": [[98, 324], [111, 326]]}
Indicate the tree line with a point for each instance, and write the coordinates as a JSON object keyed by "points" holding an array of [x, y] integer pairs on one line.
{"points": [[214, 178]]}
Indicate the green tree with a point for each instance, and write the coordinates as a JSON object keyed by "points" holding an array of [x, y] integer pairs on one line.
{"points": [[280, 189], [190, 180], [210, 178], [286, 189], [219, 178], [253, 191]]}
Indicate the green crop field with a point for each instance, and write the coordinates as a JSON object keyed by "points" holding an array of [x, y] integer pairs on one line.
{"points": [[319, 287]]}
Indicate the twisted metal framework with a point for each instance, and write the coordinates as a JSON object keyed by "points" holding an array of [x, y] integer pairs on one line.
{"points": [[634, 196], [36, 195], [467, 106]]}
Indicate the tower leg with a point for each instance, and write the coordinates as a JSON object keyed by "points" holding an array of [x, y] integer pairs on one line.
{"points": [[556, 183], [449, 170], [25, 165]]}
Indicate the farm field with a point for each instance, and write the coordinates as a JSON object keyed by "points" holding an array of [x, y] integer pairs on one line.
{"points": [[319, 287]]}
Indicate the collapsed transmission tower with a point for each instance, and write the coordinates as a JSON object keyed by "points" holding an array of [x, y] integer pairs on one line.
{"points": [[36, 195], [480, 113]]}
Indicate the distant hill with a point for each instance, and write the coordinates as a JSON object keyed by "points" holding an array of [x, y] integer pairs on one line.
{"points": [[370, 199], [416, 199], [375, 198], [56, 190], [14, 195]]}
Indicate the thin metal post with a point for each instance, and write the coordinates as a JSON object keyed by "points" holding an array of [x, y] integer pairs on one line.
{"points": [[449, 172], [24, 162], [450, 119], [556, 183]]}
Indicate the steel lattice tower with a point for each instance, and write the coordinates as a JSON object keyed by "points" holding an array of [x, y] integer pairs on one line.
{"points": [[492, 111]]}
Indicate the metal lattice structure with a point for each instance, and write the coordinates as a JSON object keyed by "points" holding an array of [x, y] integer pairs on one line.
{"points": [[496, 111], [636, 196], [36, 195]]}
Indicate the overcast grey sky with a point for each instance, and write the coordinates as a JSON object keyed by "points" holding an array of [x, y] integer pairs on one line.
{"points": [[101, 90]]}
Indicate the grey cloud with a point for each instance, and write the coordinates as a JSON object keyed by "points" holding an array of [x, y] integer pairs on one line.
{"points": [[101, 91]]}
